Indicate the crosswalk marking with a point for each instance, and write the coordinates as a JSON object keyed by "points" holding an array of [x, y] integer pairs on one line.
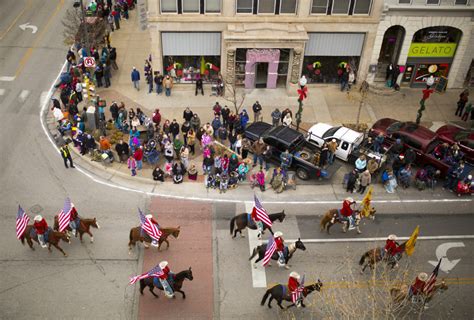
{"points": [[23, 95], [4, 78], [259, 278]]}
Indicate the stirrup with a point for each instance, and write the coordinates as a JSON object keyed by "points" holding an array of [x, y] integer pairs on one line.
{"points": [[154, 243]]}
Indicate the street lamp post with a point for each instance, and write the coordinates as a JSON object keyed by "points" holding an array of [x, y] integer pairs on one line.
{"points": [[302, 92]]}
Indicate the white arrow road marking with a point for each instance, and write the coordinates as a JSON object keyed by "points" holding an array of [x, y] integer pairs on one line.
{"points": [[5, 78], [442, 251], [259, 278], [28, 25], [23, 95]]}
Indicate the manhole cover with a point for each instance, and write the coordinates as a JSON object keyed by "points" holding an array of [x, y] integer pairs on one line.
{"points": [[36, 209]]}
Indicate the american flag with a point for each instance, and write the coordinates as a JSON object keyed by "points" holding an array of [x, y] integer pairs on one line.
{"points": [[22, 220], [430, 283], [262, 214], [299, 291], [150, 228], [65, 215], [155, 272], [271, 247]]}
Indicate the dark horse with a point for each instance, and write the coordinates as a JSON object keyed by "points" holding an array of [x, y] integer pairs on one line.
{"points": [[276, 292], [177, 285], [241, 222], [53, 239], [136, 236], [373, 256], [84, 226], [331, 217], [260, 250]]}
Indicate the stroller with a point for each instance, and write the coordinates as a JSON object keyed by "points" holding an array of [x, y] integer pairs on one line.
{"points": [[151, 154]]}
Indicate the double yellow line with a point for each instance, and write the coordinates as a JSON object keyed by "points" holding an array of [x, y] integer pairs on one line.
{"points": [[27, 6]]}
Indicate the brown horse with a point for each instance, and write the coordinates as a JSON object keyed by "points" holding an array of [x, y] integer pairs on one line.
{"points": [[399, 293], [53, 239], [84, 226], [331, 217], [276, 292], [241, 222], [176, 286], [373, 256], [136, 236]]}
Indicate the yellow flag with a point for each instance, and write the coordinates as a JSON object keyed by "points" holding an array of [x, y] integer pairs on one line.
{"points": [[203, 65], [366, 203], [410, 244]]}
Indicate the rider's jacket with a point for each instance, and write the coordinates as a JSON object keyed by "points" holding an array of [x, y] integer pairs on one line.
{"points": [[279, 243], [41, 226], [254, 215], [418, 286], [293, 284], [392, 248], [346, 210], [166, 271], [73, 214]]}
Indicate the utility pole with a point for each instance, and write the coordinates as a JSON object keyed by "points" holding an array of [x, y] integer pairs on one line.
{"points": [[364, 90]]}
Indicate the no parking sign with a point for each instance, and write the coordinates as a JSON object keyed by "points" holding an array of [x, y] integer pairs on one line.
{"points": [[89, 62]]}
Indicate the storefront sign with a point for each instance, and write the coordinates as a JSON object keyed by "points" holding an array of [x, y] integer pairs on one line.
{"points": [[432, 50]]}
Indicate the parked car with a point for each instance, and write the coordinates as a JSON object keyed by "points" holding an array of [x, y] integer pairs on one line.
{"points": [[280, 138], [452, 134], [416, 137]]}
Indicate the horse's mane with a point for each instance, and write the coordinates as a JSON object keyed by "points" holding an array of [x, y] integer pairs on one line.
{"points": [[278, 214], [182, 274]]}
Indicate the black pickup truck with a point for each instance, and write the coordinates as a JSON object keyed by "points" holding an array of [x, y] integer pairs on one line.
{"points": [[305, 154]]}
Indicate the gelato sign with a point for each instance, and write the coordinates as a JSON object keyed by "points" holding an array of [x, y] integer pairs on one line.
{"points": [[432, 50]]}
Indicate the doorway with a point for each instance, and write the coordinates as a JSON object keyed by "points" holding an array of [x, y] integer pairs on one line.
{"points": [[261, 75]]}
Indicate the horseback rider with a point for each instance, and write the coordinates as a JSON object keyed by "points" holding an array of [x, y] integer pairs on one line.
{"points": [[150, 217], [280, 247], [258, 222], [169, 293], [293, 286], [347, 212], [417, 287], [74, 220], [393, 250], [41, 228]]}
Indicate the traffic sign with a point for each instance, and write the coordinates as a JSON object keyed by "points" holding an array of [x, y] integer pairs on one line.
{"points": [[89, 62]]}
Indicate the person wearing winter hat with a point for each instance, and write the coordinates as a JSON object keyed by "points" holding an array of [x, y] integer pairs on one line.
{"points": [[164, 277], [293, 286], [41, 228]]}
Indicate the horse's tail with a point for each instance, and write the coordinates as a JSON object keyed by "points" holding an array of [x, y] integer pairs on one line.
{"points": [[130, 237], [254, 253], [362, 259], [232, 225], [142, 285], [323, 223], [265, 296]]}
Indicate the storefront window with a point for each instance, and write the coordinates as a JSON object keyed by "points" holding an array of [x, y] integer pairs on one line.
{"points": [[325, 69], [362, 6], [437, 35], [186, 69], [319, 7], [190, 6], [340, 7], [288, 6], [213, 6], [169, 6], [266, 6], [244, 6], [424, 71]]}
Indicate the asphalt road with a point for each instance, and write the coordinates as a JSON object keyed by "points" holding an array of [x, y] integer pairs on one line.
{"points": [[92, 281]]}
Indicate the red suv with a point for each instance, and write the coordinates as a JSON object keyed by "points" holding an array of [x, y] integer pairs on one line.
{"points": [[465, 138], [418, 138]]}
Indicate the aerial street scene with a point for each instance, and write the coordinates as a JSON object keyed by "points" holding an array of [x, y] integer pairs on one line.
{"points": [[237, 159]]}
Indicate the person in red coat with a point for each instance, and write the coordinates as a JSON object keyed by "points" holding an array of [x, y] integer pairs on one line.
{"points": [[138, 155], [74, 220], [347, 211], [293, 285], [280, 246], [393, 249], [41, 227], [417, 287], [164, 279], [257, 221]]}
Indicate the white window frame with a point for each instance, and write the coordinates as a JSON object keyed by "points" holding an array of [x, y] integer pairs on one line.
{"points": [[243, 13], [266, 13], [289, 14], [193, 12], [318, 14], [340, 14], [168, 12], [213, 12], [433, 4], [460, 4], [363, 14], [405, 3]]}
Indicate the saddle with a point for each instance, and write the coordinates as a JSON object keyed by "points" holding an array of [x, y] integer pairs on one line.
{"points": [[250, 221], [170, 279], [46, 234]]}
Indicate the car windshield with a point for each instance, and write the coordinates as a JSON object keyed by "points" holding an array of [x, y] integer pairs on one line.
{"points": [[461, 135], [330, 132], [432, 145], [394, 127], [468, 143]]}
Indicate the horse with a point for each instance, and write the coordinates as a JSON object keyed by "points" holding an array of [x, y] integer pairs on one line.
{"points": [[399, 293], [136, 235], [84, 227], [331, 217], [373, 256], [276, 292], [241, 222], [260, 250], [53, 239], [177, 284]]}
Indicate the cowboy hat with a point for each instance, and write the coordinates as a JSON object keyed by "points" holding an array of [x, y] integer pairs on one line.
{"points": [[392, 237], [148, 216], [278, 234], [350, 200], [163, 264], [38, 218], [423, 276], [295, 275]]}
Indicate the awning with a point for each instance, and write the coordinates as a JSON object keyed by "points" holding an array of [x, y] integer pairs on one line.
{"points": [[334, 44], [191, 43]]}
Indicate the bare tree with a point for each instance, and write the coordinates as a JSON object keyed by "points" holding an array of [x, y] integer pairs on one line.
{"points": [[90, 33], [232, 95]]}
